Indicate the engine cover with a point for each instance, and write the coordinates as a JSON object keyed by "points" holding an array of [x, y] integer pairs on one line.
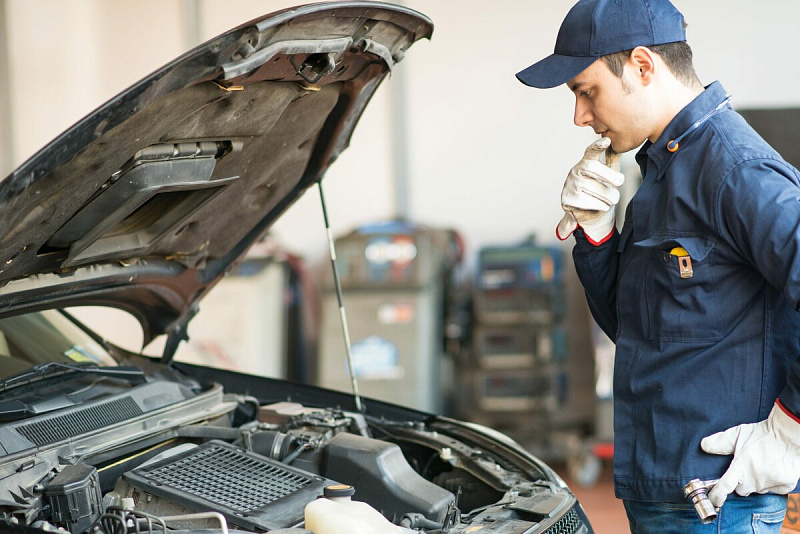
{"points": [[250, 490]]}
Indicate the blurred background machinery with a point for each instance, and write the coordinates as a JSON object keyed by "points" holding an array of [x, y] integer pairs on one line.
{"points": [[396, 279], [530, 370], [260, 319]]}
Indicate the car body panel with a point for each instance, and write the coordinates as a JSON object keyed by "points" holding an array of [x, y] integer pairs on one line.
{"points": [[140, 204]]}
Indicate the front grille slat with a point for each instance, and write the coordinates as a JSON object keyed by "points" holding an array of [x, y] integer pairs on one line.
{"points": [[60, 427], [569, 524]]}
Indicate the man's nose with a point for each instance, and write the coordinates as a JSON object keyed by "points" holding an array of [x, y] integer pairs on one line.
{"points": [[583, 116]]}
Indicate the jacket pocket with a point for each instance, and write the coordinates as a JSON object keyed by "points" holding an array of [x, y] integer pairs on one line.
{"points": [[679, 293]]}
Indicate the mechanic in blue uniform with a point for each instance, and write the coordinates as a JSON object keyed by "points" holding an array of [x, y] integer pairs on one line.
{"points": [[700, 289]]}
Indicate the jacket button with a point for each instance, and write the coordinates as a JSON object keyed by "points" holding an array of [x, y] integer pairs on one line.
{"points": [[666, 256]]}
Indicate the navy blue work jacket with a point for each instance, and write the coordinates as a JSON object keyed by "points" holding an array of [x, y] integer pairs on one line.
{"points": [[698, 354]]}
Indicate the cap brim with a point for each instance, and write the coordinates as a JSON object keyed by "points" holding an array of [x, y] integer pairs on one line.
{"points": [[554, 70]]}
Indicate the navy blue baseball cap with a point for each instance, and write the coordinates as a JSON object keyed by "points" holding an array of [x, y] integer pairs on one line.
{"points": [[596, 28]]}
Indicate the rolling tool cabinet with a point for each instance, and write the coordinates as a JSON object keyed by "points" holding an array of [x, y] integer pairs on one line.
{"points": [[531, 368]]}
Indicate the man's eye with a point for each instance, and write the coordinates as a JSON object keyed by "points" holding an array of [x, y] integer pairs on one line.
{"points": [[586, 93]]}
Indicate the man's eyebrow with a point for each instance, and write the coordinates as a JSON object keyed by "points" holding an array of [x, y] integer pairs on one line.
{"points": [[575, 86]]}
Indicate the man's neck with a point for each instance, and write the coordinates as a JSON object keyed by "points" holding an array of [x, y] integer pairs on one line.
{"points": [[675, 97]]}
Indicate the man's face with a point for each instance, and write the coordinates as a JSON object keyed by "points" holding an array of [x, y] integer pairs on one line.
{"points": [[611, 106]]}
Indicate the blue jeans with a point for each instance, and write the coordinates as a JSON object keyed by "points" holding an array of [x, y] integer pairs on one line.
{"points": [[756, 514]]}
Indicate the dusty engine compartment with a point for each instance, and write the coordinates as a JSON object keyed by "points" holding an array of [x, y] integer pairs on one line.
{"points": [[220, 462], [286, 457]]}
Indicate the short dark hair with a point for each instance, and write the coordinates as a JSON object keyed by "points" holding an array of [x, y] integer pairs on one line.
{"points": [[677, 56]]}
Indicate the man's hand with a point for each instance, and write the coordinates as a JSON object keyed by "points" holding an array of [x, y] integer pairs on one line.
{"points": [[589, 195], [766, 456]]}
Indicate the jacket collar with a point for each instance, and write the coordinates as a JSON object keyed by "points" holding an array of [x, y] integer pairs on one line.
{"points": [[657, 152]]}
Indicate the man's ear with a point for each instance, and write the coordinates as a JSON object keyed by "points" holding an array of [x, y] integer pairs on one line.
{"points": [[643, 61]]}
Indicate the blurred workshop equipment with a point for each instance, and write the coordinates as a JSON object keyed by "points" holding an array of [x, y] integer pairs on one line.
{"points": [[396, 278], [531, 373], [259, 319]]}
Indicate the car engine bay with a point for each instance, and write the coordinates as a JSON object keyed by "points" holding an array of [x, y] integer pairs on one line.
{"points": [[172, 454]]}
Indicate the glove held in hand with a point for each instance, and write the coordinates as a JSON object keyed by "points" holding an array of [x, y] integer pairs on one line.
{"points": [[766, 456], [589, 196]]}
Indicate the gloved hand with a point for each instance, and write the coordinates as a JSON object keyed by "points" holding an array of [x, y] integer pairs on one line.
{"points": [[590, 194], [766, 456]]}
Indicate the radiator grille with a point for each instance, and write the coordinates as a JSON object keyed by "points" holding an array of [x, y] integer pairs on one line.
{"points": [[229, 477], [569, 524], [79, 422]]}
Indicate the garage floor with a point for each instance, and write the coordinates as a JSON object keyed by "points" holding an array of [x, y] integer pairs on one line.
{"points": [[604, 510]]}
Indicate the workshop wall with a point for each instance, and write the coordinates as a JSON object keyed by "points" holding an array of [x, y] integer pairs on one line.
{"points": [[471, 147]]}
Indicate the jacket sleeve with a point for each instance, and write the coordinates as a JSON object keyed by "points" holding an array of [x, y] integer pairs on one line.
{"points": [[759, 211], [597, 270]]}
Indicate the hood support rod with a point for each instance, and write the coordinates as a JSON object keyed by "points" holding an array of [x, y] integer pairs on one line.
{"points": [[342, 315], [176, 333]]}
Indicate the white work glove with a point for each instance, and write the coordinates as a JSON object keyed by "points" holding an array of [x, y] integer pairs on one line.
{"points": [[766, 456], [590, 194]]}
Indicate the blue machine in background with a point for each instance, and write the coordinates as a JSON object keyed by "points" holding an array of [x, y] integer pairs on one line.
{"points": [[531, 371]]}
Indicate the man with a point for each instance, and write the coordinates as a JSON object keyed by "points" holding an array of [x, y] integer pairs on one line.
{"points": [[700, 290]]}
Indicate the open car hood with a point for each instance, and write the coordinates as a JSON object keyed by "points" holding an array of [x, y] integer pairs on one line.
{"points": [[145, 203]]}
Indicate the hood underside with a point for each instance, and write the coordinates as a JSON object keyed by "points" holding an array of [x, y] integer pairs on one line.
{"points": [[147, 201]]}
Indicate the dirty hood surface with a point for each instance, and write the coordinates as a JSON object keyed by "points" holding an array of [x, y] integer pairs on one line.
{"points": [[147, 201]]}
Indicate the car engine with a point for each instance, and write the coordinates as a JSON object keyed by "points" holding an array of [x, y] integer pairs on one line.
{"points": [[163, 457]]}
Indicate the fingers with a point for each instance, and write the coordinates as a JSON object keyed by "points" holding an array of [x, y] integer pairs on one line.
{"points": [[726, 484], [721, 442], [717, 497], [596, 149], [589, 194], [741, 480], [779, 487], [588, 205], [608, 196], [590, 191], [597, 171], [613, 159]]}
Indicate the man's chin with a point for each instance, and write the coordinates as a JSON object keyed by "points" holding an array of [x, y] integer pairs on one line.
{"points": [[620, 147], [614, 143]]}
